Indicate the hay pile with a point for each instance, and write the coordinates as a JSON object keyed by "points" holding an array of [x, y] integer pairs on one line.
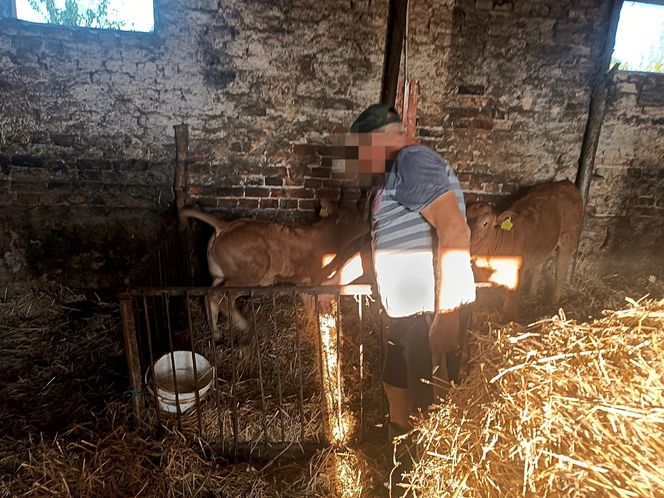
{"points": [[557, 408]]}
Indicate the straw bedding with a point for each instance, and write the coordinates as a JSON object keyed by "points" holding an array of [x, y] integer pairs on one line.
{"points": [[67, 428], [284, 354], [556, 408]]}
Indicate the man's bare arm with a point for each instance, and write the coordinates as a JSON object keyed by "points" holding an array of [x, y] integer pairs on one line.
{"points": [[454, 274]]}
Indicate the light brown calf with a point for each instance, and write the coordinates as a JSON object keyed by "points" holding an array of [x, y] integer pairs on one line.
{"points": [[253, 253], [547, 218]]}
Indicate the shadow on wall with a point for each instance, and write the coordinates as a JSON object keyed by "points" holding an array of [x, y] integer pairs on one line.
{"points": [[83, 250]]}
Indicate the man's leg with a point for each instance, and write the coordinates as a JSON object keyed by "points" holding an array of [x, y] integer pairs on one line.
{"points": [[394, 375], [418, 359], [405, 362], [454, 359], [397, 398]]}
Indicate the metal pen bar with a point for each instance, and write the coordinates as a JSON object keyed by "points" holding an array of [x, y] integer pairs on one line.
{"points": [[319, 344], [278, 368], [139, 337], [381, 335], [285, 452], [260, 371], [337, 330], [190, 330], [298, 358], [131, 351], [170, 345], [234, 374], [148, 332], [220, 421], [344, 290], [361, 366]]}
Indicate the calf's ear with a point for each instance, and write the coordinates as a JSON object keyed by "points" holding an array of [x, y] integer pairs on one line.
{"points": [[504, 216]]}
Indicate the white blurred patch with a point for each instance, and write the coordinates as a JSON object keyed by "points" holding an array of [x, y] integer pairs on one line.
{"points": [[502, 270], [405, 281], [458, 283]]}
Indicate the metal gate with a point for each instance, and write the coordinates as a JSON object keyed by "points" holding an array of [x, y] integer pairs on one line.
{"points": [[298, 379]]}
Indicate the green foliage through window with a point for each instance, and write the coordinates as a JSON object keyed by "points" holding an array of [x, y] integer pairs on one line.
{"points": [[73, 15], [640, 38], [126, 15]]}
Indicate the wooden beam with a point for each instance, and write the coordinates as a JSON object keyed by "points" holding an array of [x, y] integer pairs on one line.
{"points": [[181, 156], [396, 30], [132, 354], [597, 107]]}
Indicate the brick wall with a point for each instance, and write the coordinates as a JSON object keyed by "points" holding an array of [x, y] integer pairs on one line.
{"points": [[86, 117], [505, 86], [86, 122], [505, 89], [627, 189]]}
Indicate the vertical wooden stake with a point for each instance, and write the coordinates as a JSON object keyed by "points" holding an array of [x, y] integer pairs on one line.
{"points": [[182, 155], [597, 107], [131, 351]]}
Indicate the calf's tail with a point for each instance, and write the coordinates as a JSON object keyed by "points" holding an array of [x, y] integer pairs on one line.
{"points": [[211, 220]]}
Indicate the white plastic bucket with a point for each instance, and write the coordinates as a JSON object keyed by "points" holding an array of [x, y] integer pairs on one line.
{"points": [[184, 376]]}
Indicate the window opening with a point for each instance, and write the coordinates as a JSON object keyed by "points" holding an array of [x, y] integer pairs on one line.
{"points": [[124, 15], [640, 37]]}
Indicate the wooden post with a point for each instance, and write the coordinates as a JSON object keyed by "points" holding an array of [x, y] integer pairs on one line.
{"points": [[596, 115], [131, 351], [597, 107], [396, 29], [409, 117], [182, 155]]}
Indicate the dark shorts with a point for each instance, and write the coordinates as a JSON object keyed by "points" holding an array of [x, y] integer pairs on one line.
{"points": [[408, 357]]}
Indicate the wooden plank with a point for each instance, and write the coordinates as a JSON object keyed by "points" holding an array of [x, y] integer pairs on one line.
{"points": [[394, 37], [131, 352]]}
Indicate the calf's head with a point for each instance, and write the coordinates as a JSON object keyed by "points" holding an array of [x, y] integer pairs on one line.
{"points": [[481, 217]]}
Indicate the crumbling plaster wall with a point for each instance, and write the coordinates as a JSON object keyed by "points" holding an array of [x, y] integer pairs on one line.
{"points": [[86, 117], [505, 89], [86, 138], [509, 102], [625, 226]]}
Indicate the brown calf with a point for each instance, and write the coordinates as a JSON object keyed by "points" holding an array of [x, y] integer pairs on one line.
{"points": [[547, 218], [252, 253]]}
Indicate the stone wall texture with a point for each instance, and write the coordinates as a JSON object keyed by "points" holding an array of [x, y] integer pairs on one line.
{"points": [[87, 148], [627, 191]]}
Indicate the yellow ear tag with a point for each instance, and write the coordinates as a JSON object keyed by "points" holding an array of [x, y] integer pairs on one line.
{"points": [[507, 225], [323, 212]]}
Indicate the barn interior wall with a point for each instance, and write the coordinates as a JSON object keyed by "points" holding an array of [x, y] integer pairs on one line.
{"points": [[505, 90], [86, 118], [626, 201], [508, 102], [86, 123]]}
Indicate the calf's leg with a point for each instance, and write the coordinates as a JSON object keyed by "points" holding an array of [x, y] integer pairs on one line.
{"points": [[565, 252], [218, 304], [535, 278]]}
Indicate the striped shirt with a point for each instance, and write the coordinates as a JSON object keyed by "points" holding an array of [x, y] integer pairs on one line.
{"points": [[403, 241]]}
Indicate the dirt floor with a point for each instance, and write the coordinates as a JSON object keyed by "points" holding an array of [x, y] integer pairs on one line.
{"points": [[66, 425]]}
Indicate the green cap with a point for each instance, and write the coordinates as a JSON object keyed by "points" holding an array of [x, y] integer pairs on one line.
{"points": [[373, 117]]}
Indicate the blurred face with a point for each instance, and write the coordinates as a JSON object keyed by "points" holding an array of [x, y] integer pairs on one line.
{"points": [[366, 155]]}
